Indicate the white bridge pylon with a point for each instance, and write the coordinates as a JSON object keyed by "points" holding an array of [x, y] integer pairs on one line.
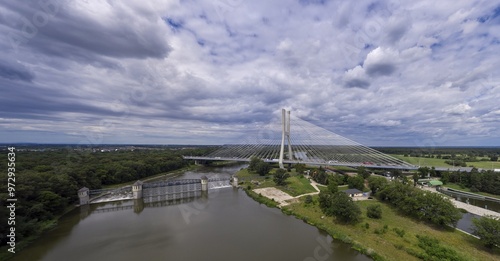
{"points": [[285, 133], [305, 143]]}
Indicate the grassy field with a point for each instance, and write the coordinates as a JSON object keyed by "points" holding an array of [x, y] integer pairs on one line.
{"points": [[430, 162], [457, 187], [390, 243], [485, 164], [297, 185]]}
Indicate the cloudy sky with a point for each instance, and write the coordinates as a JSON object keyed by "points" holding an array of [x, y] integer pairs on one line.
{"points": [[393, 73]]}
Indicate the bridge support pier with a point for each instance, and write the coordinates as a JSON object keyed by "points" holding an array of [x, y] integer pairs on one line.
{"points": [[235, 182], [83, 195], [137, 189], [204, 183]]}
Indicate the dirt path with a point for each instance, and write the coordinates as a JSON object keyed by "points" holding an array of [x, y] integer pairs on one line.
{"points": [[284, 198]]}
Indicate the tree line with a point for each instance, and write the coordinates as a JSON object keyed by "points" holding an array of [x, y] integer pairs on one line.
{"points": [[484, 181], [47, 182]]}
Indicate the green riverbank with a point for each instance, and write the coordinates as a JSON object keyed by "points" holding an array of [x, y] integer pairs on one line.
{"points": [[393, 237]]}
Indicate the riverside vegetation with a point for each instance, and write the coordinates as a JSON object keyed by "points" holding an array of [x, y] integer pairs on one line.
{"points": [[399, 223]]}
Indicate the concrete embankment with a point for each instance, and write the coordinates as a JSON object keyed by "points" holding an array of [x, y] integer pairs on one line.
{"points": [[470, 208]]}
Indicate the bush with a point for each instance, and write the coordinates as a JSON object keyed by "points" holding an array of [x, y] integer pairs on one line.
{"points": [[435, 251], [309, 199], [399, 231], [374, 211]]}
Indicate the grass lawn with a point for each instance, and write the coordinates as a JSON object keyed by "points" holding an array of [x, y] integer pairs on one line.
{"points": [[485, 164], [457, 187], [389, 245], [297, 185], [429, 162], [245, 174]]}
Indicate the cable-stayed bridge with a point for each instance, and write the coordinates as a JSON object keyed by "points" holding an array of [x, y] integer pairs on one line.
{"points": [[303, 142]]}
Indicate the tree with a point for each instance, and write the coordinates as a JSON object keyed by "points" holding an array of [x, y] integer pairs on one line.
{"points": [[396, 173], [356, 182], [494, 158], [320, 176], [339, 179], [423, 171], [253, 163], [415, 179], [262, 168], [432, 172], [332, 185], [344, 209], [445, 177], [421, 204], [488, 230], [325, 202], [376, 183], [280, 177], [300, 168], [374, 211], [363, 172]]}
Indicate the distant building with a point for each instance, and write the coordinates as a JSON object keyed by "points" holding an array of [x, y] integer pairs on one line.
{"points": [[496, 170]]}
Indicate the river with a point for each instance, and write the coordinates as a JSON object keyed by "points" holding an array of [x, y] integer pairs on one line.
{"points": [[224, 225]]}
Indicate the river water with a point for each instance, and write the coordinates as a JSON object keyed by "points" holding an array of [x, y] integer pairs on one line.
{"points": [[224, 225]]}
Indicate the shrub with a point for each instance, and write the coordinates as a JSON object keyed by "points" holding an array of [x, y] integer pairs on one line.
{"points": [[309, 199], [435, 251], [374, 211], [399, 231]]}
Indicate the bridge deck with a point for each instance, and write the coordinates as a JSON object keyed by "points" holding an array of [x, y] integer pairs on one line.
{"points": [[323, 163]]}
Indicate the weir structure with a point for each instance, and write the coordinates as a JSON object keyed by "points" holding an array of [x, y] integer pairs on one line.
{"points": [[157, 191]]}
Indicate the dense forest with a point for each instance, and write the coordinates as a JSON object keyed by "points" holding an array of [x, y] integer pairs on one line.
{"points": [[484, 181], [47, 180]]}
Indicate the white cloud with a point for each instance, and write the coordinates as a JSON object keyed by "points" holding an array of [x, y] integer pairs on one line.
{"points": [[219, 68], [458, 109]]}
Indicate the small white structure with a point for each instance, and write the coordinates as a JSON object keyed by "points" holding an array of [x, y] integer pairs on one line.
{"points": [[354, 193], [496, 170], [83, 195], [204, 183], [137, 189]]}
